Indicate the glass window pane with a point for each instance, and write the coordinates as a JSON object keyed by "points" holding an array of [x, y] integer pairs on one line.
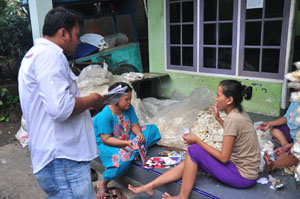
{"points": [[274, 8], [174, 12], [175, 55], [224, 61], [225, 9], [175, 34], [272, 33], [187, 34], [225, 33], [251, 60], [253, 33], [270, 60], [209, 33], [254, 13], [210, 10], [187, 11], [187, 56], [209, 58]]}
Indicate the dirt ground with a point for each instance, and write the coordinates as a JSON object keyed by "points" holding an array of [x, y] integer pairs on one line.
{"points": [[16, 178]]}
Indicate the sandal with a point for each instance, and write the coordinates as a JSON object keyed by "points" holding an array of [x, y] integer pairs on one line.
{"points": [[102, 193], [116, 193]]}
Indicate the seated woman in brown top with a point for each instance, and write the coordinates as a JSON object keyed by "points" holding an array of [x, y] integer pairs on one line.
{"points": [[237, 164]]}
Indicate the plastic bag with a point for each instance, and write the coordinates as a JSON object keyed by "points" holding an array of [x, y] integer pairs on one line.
{"points": [[22, 137], [172, 120], [93, 39], [115, 40]]}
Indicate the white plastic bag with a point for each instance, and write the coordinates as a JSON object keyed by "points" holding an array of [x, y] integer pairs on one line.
{"points": [[93, 39]]}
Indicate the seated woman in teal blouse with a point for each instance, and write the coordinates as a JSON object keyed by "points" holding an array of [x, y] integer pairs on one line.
{"points": [[116, 126]]}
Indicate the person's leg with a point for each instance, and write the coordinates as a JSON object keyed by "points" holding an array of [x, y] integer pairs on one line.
{"points": [[79, 176], [64, 178], [285, 159], [169, 176], [279, 136], [282, 135], [188, 179], [226, 173]]}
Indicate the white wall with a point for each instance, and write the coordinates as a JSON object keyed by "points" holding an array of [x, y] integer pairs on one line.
{"points": [[38, 10]]}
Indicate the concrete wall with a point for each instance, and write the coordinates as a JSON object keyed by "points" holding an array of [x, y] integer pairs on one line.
{"points": [[266, 95]]}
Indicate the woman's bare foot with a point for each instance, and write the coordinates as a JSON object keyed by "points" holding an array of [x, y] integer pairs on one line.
{"points": [[145, 188], [137, 158], [101, 190], [168, 196]]}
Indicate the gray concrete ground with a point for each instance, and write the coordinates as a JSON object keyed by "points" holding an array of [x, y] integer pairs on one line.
{"points": [[17, 180]]}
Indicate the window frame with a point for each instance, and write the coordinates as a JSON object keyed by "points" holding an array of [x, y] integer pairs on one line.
{"points": [[282, 47], [238, 49], [233, 46], [194, 45]]}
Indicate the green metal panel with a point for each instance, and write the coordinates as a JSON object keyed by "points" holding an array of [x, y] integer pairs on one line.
{"points": [[266, 95], [129, 52]]}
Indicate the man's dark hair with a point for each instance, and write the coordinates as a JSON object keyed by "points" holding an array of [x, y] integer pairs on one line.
{"points": [[61, 17]]}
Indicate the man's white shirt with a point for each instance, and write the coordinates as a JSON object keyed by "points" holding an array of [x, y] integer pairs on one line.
{"points": [[47, 88]]}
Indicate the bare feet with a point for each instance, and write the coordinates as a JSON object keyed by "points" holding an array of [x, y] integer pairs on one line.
{"points": [[168, 196], [137, 158], [101, 190], [145, 188]]}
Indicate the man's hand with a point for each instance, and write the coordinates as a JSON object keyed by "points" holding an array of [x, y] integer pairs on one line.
{"points": [[263, 126], [93, 102], [97, 102]]}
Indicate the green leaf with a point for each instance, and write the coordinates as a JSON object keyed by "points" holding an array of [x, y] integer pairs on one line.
{"points": [[2, 119], [7, 119], [3, 92], [1, 103]]}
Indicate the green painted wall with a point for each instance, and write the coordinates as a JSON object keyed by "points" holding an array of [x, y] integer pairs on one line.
{"points": [[266, 95]]}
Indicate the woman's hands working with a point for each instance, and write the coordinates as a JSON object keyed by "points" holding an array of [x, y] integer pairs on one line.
{"points": [[109, 140], [136, 129], [266, 125]]}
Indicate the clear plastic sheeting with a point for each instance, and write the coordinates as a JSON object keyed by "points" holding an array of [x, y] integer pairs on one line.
{"points": [[172, 119], [95, 79], [264, 138]]}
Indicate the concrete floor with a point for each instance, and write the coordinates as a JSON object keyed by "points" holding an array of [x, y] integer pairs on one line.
{"points": [[16, 178]]}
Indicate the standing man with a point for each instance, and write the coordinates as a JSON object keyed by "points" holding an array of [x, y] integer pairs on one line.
{"points": [[61, 136]]}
